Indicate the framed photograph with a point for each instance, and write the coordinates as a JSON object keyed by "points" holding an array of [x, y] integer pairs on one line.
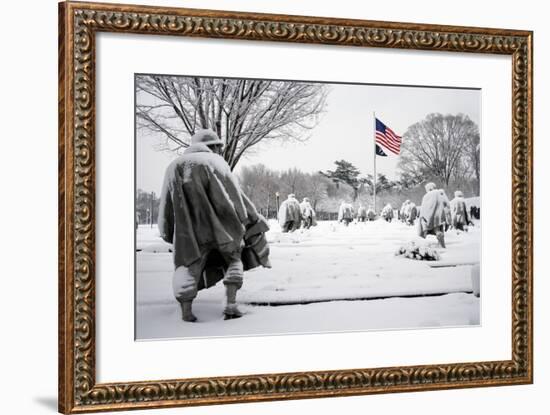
{"points": [[262, 207]]}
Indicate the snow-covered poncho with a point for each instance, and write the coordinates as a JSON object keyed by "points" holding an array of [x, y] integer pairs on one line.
{"points": [[371, 214], [459, 211], [289, 211], [345, 211], [433, 212], [411, 212], [202, 207], [404, 208], [447, 210], [306, 210], [387, 212]]}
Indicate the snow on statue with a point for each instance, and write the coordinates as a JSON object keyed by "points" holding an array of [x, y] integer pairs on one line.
{"points": [[404, 210], [433, 214], [289, 214], [362, 213], [447, 210], [412, 213], [215, 229], [371, 214], [345, 213], [459, 211], [387, 213], [308, 214], [408, 212]]}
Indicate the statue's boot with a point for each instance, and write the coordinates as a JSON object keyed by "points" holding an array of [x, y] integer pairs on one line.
{"points": [[441, 239], [231, 310], [186, 311]]}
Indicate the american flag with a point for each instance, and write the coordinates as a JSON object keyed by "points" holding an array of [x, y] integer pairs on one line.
{"points": [[386, 138]]}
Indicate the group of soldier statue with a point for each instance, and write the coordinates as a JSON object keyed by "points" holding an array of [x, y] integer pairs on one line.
{"points": [[347, 213], [408, 212], [435, 216], [217, 233], [293, 215]]}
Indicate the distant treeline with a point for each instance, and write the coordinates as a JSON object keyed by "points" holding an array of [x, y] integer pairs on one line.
{"points": [[147, 207], [326, 192]]}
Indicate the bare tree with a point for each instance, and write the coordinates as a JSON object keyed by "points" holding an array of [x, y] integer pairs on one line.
{"points": [[293, 181], [260, 184], [243, 112], [317, 189], [437, 147], [473, 159]]}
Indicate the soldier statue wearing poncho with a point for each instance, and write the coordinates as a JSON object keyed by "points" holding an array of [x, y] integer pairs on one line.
{"points": [[307, 213], [215, 229], [459, 212], [290, 216], [387, 213], [361, 213], [345, 213], [433, 217]]}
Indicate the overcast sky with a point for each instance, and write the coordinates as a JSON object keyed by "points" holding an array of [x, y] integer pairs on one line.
{"points": [[345, 131]]}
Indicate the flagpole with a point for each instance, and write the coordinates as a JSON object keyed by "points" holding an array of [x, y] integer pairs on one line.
{"points": [[374, 147]]}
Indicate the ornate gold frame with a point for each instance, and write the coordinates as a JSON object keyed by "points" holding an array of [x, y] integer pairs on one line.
{"points": [[78, 23]]}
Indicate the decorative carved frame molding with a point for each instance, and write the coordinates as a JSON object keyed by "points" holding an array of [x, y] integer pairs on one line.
{"points": [[78, 24]]}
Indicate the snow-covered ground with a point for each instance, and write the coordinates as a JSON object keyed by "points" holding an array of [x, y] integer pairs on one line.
{"points": [[315, 276]]}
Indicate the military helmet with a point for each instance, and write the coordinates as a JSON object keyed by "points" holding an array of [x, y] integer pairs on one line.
{"points": [[430, 186], [206, 137]]}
